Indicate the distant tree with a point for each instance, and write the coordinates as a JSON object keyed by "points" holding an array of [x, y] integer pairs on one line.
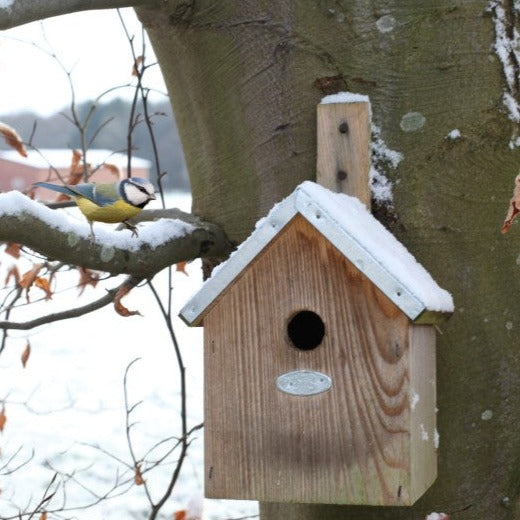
{"points": [[56, 131]]}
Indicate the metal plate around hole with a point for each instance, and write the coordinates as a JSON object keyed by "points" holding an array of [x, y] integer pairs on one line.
{"points": [[303, 382]]}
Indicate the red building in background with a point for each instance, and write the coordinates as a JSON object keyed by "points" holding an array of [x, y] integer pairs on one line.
{"points": [[62, 166]]}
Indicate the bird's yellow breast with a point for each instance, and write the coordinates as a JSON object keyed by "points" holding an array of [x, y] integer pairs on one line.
{"points": [[119, 211]]}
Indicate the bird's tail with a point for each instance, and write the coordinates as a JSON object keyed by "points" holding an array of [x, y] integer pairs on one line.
{"points": [[56, 187]]}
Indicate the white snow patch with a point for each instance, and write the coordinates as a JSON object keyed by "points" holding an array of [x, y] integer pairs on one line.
{"points": [[381, 186], [382, 157], [424, 434], [414, 400], [436, 439], [345, 97], [437, 516], [381, 150], [514, 142], [507, 48], [151, 234], [454, 134], [513, 110], [509, 325], [6, 4]]}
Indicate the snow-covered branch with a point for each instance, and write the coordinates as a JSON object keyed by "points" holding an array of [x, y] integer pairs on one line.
{"points": [[176, 236], [19, 12]]}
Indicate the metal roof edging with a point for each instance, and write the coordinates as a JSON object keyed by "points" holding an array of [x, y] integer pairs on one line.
{"points": [[356, 253], [224, 275], [300, 202]]}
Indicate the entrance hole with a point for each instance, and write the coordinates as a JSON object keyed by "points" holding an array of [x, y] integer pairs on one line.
{"points": [[306, 330]]}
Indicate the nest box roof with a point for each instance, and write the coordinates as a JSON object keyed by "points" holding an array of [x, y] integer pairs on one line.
{"points": [[350, 227]]}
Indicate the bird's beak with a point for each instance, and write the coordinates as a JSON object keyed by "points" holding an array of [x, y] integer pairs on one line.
{"points": [[152, 196]]}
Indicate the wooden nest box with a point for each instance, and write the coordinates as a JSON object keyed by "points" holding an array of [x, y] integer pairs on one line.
{"points": [[320, 360]]}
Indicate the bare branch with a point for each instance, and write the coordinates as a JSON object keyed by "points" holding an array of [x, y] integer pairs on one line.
{"points": [[69, 313], [24, 11], [179, 237]]}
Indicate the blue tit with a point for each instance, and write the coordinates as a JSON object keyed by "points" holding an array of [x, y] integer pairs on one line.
{"points": [[111, 203]]}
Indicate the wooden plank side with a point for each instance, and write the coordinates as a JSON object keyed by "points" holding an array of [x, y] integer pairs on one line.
{"points": [[423, 426], [343, 148], [348, 445]]}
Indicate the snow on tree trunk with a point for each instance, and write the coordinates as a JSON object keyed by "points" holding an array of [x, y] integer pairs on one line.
{"points": [[245, 78]]}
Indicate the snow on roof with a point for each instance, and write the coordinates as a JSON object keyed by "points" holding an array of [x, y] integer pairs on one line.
{"points": [[352, 229], [62, 158]]}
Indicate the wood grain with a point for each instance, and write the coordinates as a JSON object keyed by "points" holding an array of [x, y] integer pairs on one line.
{"points": [[343, 160], [423, 398], [351, 444]]}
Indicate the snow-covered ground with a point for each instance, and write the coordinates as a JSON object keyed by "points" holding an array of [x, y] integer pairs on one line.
{"points": [[67, 404]]}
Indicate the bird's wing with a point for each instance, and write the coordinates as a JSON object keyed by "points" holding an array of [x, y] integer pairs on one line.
{"points": [[100, 194]]}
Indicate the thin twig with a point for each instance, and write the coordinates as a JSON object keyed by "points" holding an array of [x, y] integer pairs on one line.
{"points": [[183, 413], [63, 315]]}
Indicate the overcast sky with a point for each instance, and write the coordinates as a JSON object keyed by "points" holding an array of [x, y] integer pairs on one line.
{"points": [[91, 45]]}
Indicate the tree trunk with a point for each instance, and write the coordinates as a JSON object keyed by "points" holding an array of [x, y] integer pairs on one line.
{"points": [[245, 78]]}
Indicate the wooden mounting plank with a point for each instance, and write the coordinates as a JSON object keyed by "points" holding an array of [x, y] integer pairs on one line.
{"points": [[343, 154]]}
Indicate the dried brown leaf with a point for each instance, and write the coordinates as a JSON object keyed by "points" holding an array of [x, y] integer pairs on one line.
{"points": [[181, 267], [74, 178], [113, 169], [30, 276], [87, 277], [76, 174], [138, 477], [13, 249], [28, 279], [119, 307], [137, 64], [75, 164], [13, 139], [45, 286], [13, 273], [180, 515], [514, 206], [43, 516], [3, 418], [25, 354]]}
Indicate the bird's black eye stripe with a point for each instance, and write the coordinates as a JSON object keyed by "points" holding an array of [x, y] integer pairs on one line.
{"points": [[140, 188]]}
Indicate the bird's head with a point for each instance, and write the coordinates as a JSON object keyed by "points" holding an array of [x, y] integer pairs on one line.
{"points": [[137, 191]]}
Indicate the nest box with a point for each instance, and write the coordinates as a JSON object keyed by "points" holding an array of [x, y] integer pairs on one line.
{"points": [[320, 360]]}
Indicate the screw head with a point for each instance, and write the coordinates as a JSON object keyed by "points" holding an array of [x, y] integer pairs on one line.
{"points": [[343, 127]]}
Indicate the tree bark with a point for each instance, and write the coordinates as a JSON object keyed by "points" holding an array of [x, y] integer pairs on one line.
{"points": [[245, 78]]}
